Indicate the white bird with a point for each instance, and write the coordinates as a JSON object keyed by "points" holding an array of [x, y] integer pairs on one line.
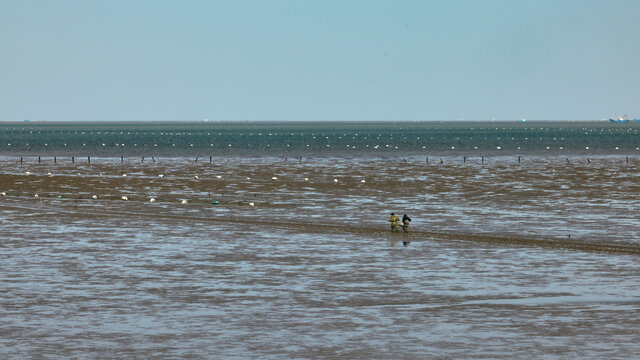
{"points": [[161, 175], [124, 175], [125, 198], [196, 177], [335, 180], [274, 178], [184, 202], [362, 181], [48, 173], [306, 179], [248, 178], [36, 196], [218, 177], [3, 194], [95, 197], [251, 204], [152, 200], [28, 173]]}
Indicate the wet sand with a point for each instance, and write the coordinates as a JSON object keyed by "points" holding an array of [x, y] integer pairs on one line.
{"points": [[541, 198], [311, 270]]}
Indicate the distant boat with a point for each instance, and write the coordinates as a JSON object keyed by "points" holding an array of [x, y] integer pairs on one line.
{"points": [[619, 120], [622, 120]]}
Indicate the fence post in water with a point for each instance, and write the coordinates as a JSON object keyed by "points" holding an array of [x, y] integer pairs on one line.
{"points": [[88, 159], [73, 159], [39, 160], [20, 159], [122, 158], [627, 159], [483, 160], [427, 160], [55, 161], [153, 159], [196, 159], [210, 159], [518, 159], [464, 160], [142, 159], [441, 161]]}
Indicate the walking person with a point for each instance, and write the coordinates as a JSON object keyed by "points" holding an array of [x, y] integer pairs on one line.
{"points": [[405, 223], [393, 219], [405, 227]]}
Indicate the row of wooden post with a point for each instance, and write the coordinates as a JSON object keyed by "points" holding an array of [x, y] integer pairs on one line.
{"points": [[73, 159]]}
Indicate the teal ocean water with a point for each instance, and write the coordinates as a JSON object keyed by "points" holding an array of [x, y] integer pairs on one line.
{"points": [[341, 139]]}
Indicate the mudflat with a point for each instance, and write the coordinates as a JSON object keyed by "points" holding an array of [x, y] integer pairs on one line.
{"points": [[270, 258]]}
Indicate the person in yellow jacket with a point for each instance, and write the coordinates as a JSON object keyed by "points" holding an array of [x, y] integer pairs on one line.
{"points": [[393, 219]]}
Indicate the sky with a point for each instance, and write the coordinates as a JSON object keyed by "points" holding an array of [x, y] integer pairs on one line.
{"points": [[347, 60]]}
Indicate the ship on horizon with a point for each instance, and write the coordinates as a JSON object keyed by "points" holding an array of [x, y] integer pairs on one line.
{"points": [[622, 119]]}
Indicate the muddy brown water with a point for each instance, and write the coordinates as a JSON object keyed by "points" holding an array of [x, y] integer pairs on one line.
{"points": [[505, 260]]}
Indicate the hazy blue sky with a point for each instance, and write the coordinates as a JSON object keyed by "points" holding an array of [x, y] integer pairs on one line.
{"points": [[319, 60]]}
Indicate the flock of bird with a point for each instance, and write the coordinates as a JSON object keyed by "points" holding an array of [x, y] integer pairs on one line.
{"points": [[183, 202]]}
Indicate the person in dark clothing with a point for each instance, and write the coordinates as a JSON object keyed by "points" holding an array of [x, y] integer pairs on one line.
{"points": [[405, 227], [405, 223]]}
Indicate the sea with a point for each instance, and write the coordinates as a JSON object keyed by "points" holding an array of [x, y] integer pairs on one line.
{"points": [[322, 139], [270, 240]]}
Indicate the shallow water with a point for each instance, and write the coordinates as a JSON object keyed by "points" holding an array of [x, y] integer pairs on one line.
{"points": [[121, 287], [310, 270]]}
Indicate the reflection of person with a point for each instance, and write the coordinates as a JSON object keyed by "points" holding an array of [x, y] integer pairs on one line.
{"points": [[405, 223], [393, 219]]}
